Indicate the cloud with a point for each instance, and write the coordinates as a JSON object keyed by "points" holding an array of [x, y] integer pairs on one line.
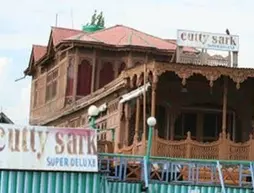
{"points": [[3, 63], [19, 110], [15, 96]]}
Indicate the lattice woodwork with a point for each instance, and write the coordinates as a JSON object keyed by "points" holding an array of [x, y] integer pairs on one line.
{"points": [[221, 149]]}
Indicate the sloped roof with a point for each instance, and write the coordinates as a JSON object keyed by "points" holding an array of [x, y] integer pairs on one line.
{"points": [[120, 35], [59, 33], [5, 119], [84, 37], [39, 51]]}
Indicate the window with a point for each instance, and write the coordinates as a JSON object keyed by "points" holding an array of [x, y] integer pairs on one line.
{"points": [[106, 74], [84, 78], [51, 89], [36, 94]]}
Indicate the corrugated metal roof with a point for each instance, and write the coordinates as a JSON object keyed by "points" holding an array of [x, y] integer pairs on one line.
{"points": [[115, 187], [49, 182], [73, 182], [162, 188]]}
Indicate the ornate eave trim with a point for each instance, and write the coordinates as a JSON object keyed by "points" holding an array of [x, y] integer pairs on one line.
{"points": [[185, 71]]}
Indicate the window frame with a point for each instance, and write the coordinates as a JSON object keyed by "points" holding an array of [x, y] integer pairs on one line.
{"points": [[36, 94], [51, 85]]}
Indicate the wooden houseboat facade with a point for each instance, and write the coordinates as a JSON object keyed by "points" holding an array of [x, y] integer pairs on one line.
{"points": [[203, 111]]}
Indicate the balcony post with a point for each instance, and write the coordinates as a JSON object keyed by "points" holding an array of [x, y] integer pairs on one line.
{"points": [[137, 119]]}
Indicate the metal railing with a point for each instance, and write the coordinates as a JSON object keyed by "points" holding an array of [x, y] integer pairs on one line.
{"points": [[178, 171]]}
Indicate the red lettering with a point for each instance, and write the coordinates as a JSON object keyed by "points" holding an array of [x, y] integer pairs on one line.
{"points": [[91, 144], [72, 144], [32, 140], [2, 134], [59, 148], [183, 36]]}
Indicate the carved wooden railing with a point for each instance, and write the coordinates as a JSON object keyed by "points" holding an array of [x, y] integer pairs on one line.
{"points": [[137, 148], [222, 149], [105, 146]]}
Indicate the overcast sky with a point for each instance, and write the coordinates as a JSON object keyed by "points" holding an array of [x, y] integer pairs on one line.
{"points": [[27, 22]]}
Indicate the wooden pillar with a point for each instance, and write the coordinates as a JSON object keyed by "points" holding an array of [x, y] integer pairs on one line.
{"points": [[224, 112], [144, 100], [144, 108], [120, 127], [137, 119], [153, 99], [129, 60], [93, 71], [75, 82], [127, 123]]}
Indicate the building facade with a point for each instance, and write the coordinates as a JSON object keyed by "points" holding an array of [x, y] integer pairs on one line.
{"points": [[203, 111]]}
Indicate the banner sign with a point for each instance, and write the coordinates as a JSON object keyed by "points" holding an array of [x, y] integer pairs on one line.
{"points": [[48, 148], [206, 40]]}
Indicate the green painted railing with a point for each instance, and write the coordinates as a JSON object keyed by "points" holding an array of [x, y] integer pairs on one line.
{"points": [[177, 159]]}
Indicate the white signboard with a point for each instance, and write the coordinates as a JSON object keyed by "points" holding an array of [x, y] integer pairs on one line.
{"points": [[206, 40], [48, 148]]}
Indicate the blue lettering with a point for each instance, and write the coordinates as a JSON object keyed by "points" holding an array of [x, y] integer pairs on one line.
{"points": [[56, 161], [70, 162], [48, 161]]}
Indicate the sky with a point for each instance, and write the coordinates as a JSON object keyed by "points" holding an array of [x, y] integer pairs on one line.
{"points": [[27, 22]]}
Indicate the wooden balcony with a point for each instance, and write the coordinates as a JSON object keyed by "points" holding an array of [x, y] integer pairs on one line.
{"points": [[222, 149]]}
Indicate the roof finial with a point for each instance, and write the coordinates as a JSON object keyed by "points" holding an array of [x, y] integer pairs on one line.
{"points": [[93, 20], [97, 23]]}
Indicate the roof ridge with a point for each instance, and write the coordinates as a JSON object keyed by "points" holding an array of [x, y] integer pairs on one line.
{"points": [[122, 38], [145, 33], [120, 25], [38, 45], [105, 29], [64, 28], [80, 35], [143, 39]]}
